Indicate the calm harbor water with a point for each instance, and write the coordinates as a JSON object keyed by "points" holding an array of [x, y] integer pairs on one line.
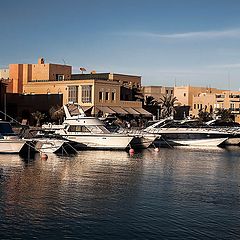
{"points": [[171, 194]]}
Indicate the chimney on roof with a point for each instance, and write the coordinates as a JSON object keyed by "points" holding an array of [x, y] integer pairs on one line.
{"points": [[40, 61]]}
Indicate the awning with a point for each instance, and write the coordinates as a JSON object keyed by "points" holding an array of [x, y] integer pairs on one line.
{"points": [[131, 111], [106, 110], [73, 109], [143, 111], [119, 110], [85, 109]]}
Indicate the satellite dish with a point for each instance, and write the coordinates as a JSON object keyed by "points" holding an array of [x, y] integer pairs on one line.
{"points": [[82, 69]]}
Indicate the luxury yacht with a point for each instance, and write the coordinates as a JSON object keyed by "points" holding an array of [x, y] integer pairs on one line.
{"points": [[88, 132], [175, 133], [230, 127], [9, 141]]}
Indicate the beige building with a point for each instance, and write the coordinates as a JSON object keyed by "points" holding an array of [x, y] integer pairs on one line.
{"points": [[100, 95], [157, 91], [21, 74], [184, 94], [105, 93], [208, 99], [203, 101], [210, 102]]}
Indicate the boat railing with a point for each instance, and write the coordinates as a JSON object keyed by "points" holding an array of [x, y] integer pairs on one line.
{"points": [[130, 131], [228, 130]]}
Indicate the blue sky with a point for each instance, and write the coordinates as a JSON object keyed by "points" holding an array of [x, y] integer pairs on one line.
{"points": [[194, 42]]}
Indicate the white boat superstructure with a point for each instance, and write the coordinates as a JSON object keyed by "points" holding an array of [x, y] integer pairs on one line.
{"points": [[89, 132], [9, 141]]}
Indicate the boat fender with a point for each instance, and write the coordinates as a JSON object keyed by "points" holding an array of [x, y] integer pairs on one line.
{"points": [[131, 151], [44, 156]]}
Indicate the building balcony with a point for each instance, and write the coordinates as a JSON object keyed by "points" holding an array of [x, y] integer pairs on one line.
{"points": [[235, 110], [234, 96], [220, 96]]}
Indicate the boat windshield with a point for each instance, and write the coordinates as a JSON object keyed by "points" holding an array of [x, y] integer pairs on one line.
{"points": [[98, 129], [6, 129], [164, 124], [89, 128]]}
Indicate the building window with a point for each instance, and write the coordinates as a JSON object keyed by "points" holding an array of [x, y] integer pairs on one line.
{"points": [[107, 96], [184, 94], [166, 91], [100, 96], [232, 105], [87, 94], [113, 96], [73, 94], [59, 77], [194, 106], [171, 91]]}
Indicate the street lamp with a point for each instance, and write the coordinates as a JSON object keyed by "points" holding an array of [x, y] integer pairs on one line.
{"points": [[158, 113], [5, 106]]}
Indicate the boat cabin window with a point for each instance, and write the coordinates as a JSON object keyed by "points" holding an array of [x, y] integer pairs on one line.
{"points": [[77, 128], [6, 129]]}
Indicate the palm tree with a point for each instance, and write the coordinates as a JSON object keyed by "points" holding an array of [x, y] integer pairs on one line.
{"points": [[38, 116], [224, 114], [167, 103], [137, 94], [151, 101], [204, 116], [56, 113]]}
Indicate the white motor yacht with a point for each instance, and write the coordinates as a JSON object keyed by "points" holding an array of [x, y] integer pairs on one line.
{"points": [[175, 134], [89, 132], [230, 127], [9, 141]]}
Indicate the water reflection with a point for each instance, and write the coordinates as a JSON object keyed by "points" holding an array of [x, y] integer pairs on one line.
{"points": [[104, 195]]}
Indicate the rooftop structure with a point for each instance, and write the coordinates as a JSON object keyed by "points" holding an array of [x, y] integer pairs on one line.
{"points": [[156, 91], [4, 73], [21, 74]]}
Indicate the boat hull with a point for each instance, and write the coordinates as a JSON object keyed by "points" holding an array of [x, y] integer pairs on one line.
{"points": [[232, 141], [49, 145], [213, 142], [11, 146], [143, 141], [208, 142], [101, 141]]}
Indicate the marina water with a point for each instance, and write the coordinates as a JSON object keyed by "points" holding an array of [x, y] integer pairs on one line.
{"points": [[170, 194]]}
